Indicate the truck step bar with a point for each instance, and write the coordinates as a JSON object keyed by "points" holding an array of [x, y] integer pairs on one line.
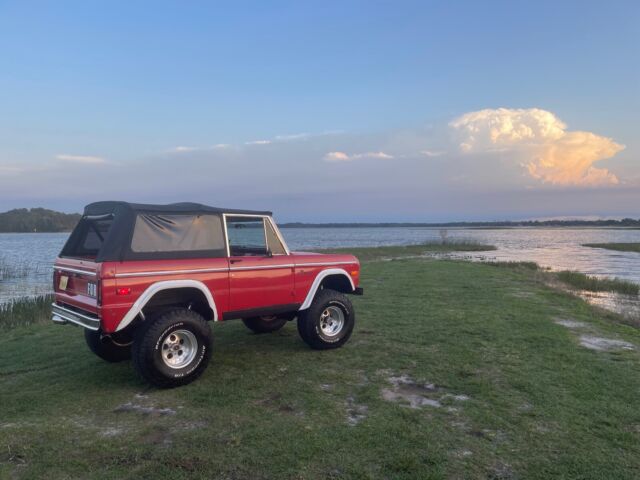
{"points": [[62, 315]]}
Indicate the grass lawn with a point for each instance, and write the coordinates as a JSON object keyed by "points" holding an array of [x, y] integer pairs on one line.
{"points": [[620, 247], [489, 358]]}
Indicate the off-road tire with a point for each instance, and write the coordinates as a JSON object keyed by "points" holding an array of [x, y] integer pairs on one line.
{"points": [[149, 344], [310, 320], [265, 324], [105, 348]]}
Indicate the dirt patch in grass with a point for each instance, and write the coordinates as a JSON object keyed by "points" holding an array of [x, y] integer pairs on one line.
{"points": [[604, 344], [356, 413], [568, 323], [130, 407], [591, 340], [416, 395]]}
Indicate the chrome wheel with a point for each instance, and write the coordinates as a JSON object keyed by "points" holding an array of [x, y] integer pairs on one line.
{"points": [[179, 348], [331, 321]]}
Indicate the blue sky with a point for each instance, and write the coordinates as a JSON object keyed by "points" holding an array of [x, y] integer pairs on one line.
{"points": [[135, 100]]}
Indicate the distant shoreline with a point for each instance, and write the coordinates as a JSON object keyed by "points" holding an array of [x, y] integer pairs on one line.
{"points": [[470, 225], [41, 220], [408, 226]]}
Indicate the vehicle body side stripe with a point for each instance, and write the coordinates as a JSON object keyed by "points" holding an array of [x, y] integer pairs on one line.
{"points": [[170, 272], [214, 270]]}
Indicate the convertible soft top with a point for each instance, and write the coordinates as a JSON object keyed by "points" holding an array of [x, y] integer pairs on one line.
{"points": [[118, 231], [103, 208]]}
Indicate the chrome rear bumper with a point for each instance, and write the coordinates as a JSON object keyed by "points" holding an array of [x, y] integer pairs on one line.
{"points": [[62, 315]]}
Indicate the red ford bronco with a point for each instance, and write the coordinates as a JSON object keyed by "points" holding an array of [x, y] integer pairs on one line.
{"points": [[144, 280]]}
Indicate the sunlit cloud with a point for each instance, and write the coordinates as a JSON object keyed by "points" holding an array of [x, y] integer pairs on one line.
{"points": [[258, 142], [343, 157], [87, 159], [541, 143]]}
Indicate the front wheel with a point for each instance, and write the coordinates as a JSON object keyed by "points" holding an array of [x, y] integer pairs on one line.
{"points": [[328, 322], [172, 350]]}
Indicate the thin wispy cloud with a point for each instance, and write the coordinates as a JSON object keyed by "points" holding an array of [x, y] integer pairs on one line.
{"points": [[295, 136], [10, 170], [344, 157], [258, 142], [306, 136], [432, 153], [86, 159], [187, 149]]}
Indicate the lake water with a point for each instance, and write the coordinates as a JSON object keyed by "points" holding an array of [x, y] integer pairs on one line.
{"points": [[26, 259]]}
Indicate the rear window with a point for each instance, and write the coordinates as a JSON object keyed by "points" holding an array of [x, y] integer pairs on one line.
{"points": [[154, 233], [88, 237]]}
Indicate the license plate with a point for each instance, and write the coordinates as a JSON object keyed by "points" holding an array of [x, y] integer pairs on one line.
{"points": [[64, 280]]}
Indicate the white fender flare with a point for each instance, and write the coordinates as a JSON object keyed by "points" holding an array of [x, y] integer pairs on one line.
{"points": [[148, 294], [316, 284]]}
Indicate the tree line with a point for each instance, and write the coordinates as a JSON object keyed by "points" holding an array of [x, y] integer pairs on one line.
{"points": [[21, 220]]}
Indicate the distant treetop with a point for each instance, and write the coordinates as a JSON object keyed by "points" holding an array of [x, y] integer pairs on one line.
{"points": [[22, 220]]}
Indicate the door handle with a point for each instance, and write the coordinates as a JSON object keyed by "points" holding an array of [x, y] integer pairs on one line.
{"points": [[235, 260]]}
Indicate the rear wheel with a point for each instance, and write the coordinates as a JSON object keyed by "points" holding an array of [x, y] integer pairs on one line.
{"points": [[328, 322], [172, 350], [106, 348], [265, 324]]}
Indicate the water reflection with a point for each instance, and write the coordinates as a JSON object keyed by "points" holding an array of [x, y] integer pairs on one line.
{"points": [[626, 305]]}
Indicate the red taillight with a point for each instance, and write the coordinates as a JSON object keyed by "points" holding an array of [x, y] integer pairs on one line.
{"points": [[123, 291]]}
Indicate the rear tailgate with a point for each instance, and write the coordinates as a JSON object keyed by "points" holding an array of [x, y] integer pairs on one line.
{"points": [[76, 284]]}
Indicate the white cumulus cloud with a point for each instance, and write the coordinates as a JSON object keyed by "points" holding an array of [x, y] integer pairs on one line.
{"points": [[541, 142], [87, 159]]}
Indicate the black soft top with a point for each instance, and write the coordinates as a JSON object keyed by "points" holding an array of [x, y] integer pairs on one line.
{"points": [[105, 231], [113, 207]]}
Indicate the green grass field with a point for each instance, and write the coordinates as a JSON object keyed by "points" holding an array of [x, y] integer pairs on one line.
{"points": [[455, 370], [620, 247]]}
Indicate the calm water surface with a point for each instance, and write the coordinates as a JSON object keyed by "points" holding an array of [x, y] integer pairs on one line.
{"points": [[26, 259]]}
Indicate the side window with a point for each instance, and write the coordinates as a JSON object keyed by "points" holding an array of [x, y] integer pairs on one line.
{"points": [[178, 233], [246, 236], [273, 242]]}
